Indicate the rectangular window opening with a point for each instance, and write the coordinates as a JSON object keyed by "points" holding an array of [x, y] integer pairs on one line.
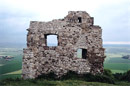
{"points": [[51, 40], [82, 53], [79, 19]]}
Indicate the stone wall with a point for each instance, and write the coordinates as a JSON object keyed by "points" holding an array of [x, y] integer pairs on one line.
{"points": [[75, 31]]}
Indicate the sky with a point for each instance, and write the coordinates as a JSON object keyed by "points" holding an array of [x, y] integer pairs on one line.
{"points": [[112, 15]]}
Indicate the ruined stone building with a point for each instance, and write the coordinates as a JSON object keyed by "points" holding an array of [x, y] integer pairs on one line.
{"points": [[73, 32]]}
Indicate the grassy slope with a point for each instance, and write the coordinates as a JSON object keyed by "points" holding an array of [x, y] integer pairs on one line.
{"points": [[60, 83]]}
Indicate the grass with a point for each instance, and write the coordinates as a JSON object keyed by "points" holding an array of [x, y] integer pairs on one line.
{"points": [[117, 66], [43, 82], [7, 68], [10, 67], [1, 64], [14, 72], [113, 55], [57, 83], [117, 71], [12, 76], [73, 80], [114, 62], [119, 60]]}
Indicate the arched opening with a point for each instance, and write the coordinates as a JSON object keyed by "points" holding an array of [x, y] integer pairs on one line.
{"points": [[82, 53]]}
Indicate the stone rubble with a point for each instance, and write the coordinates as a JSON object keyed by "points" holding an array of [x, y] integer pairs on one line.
{"points": [[75, 31]]}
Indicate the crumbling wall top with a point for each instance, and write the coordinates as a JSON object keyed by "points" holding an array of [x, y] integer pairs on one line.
{"points": [[80, 17]]}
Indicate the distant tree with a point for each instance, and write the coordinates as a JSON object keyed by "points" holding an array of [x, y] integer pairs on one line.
{"points": [[126, 57]]}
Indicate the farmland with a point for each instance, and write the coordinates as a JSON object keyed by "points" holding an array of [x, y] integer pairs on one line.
{"points": [[113, 61], [10, 68]]}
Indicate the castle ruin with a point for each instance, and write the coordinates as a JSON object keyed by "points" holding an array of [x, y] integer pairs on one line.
{"points": [[75, 31]]}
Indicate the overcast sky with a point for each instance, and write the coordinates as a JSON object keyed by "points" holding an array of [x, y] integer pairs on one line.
{"points": [[112, 15]]}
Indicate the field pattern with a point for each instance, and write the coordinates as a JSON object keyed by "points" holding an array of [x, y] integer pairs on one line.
{"points": [[114, 60], [9, 68]]}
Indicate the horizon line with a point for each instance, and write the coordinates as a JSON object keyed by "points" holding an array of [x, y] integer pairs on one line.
{"points": [[109, 42]]}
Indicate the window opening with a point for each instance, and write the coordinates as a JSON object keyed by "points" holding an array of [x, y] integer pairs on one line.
{"points": [[79, 19], [82, 53], [51, 40]]}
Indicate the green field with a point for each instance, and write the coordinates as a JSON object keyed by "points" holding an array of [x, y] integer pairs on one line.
{"points": [[9, 68], [113, 61]]}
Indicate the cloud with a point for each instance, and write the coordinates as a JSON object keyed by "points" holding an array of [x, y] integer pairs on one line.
{"points": [[114, 20], [13, 26], [111, 15]]}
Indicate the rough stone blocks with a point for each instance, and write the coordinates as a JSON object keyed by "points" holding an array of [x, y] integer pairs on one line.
{"points": [[75, 31]]}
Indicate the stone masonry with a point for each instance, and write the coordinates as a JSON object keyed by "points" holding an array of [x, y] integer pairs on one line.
{"points": [[75, 31]]}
